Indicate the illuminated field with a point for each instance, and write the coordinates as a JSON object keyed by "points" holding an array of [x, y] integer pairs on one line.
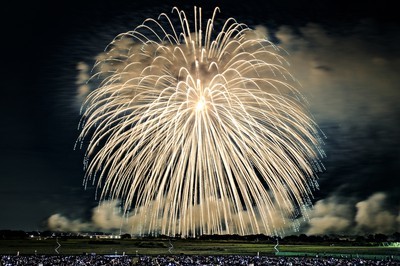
{"points": [[187, 247]]}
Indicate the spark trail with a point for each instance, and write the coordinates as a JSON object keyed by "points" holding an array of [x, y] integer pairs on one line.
{"points": [[199, 131], [58, 246]]}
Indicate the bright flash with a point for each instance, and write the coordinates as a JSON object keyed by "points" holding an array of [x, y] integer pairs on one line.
{"points": [[201, 104]]}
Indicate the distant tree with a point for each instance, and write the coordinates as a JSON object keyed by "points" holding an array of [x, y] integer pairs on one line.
{"points": [[126, 236], [360, 239], [291, 239], [263, 237], [315, 239], [12, 234], [380, 238], [303, 238], [334, 238], [326, 238], [47, 233], [370, 238], [396, 237]]}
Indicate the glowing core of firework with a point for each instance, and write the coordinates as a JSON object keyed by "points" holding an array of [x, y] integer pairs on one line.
{"points": [[201, 104], [199, 133]]}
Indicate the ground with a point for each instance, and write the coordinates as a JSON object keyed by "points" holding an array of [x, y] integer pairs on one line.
{"points": [[187, 247]]}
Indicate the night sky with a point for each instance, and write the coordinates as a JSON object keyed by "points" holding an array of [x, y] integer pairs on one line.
{"points": [[345, 55]]}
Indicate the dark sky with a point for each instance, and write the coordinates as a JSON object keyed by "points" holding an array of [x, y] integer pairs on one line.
{"points": [[355, 104]]}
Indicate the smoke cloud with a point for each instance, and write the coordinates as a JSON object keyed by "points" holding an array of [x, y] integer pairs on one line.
{"points": [[109, 216], [345, 77], [81, 81], [329, 216], [372, 215], [106, 217]]}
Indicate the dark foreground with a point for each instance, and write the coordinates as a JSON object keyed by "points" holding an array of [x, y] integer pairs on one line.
{"points": [[192, 260]]}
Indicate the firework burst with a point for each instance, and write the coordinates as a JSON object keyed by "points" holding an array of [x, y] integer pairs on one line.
{"points": [[199, 131]]}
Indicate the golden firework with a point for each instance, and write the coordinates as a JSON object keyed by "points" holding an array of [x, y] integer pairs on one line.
{"points": [[198, 131]]}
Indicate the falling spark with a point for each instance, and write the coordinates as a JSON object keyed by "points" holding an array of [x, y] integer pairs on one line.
{"points": [[276, 247], [171, 247], [58, 246], [199, 131]]}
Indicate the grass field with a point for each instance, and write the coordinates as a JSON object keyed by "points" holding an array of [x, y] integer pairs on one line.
{"points": [[187, 247]]}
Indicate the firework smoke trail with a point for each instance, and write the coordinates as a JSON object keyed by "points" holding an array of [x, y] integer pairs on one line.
{"points": [[200, 132]]}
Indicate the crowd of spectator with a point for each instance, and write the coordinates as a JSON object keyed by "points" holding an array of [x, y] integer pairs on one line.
{"points": [[257, 261], [172, 260], [77, 260]]}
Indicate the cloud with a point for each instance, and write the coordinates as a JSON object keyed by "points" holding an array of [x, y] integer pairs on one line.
{"points": [[342, 215], [83, 88], [345, 77], [373, 217], [57, 222], [109, 216], [329, 216], [120, 54], [106, 216]]}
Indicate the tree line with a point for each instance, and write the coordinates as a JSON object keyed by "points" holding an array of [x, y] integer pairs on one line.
{"points": [[290, 239]]}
